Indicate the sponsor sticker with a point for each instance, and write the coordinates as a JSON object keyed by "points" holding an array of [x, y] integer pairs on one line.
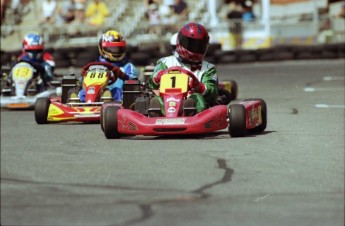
{"points": [[91, 90], [170, 121], [171, 110], [173, 99], [255, 115], [99, 67]]}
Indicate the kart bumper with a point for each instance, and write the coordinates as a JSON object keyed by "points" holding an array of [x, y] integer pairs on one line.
{"points": [[59, 112], [133, 123]]}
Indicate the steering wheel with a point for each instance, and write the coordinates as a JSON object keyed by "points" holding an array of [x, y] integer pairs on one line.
{"points": [[195, 80]]}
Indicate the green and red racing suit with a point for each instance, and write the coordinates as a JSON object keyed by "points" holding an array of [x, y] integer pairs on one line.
{"points": [[205, 72]]}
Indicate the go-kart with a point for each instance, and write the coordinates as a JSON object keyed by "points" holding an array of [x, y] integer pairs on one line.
{"points": [[69, 107], [24, 87], [227, 89], [180, 116]]}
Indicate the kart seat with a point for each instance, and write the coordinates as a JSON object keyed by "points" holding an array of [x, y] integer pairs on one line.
{"points": [[131, 90]]}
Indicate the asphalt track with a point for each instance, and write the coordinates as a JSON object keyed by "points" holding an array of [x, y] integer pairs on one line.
{"points": [[292, 174]]}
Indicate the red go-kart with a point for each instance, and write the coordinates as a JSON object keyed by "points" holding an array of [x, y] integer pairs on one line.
{"points": [[180, 116]]}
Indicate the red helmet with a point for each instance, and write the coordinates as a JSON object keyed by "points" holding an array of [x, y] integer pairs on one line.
{"points": [[192, 42]]}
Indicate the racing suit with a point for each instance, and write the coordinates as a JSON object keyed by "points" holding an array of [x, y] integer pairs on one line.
{"points": [[44, 65], [116, 88], [205, 72]]}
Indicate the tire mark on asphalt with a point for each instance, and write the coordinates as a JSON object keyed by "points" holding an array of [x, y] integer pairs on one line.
{"points": [[199, 194], [111, 187], [146, 209], [294, 111], [226, 177]]}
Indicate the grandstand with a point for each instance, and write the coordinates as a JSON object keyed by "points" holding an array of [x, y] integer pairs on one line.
{"points": [[75, 45]]}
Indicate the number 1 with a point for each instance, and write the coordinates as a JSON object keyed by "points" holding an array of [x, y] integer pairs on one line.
{"points": [[173, 82]]}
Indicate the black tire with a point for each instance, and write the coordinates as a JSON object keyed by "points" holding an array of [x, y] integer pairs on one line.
{"points": [[233, 90], [41, 110], [154, 109], [101, 119], [189, 107], [237, 120], [110, 122], [263, 126], [72, 91], [224, 97]]}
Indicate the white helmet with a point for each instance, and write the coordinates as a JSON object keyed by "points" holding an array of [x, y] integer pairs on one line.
{"points": [[173, 41]]}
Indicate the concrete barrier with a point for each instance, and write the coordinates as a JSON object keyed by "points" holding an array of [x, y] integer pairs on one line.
{"points": [[141, 56]]}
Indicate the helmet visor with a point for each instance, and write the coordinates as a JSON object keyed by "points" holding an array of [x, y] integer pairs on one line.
{"points": [[35, 54], [115, 49], [193, 45]]}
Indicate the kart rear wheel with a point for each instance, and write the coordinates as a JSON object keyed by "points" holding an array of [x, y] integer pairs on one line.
{"points": [[154, 109], [72, 93], [263, 125], [110, 122], [189, 107], [224, 96], [237, 120], [41, 110], [233, 89]]}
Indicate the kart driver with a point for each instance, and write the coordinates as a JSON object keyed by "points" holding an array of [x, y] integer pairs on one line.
{"points": [[112, 49], [33, 52], [223, 95], [191, 46]]}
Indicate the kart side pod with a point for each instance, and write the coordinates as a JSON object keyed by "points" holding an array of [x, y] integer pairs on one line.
{"points": [[248, 116]]}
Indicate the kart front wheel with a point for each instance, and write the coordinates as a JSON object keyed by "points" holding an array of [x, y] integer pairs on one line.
{"points": [[41, 110], [263, 112], [110, 122], [237, 120], [101, 119]]}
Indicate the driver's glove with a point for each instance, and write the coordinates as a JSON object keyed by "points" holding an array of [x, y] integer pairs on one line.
{"points": [[118, 73], [197, 86], [157, 77]]}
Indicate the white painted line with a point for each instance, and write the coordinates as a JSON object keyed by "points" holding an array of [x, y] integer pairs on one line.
{"points": [[309, 89], [312, 89], [329, 106], [332, 78]]}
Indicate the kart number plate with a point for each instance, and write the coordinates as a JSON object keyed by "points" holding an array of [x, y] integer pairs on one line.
{"points": [[95, 77], [22, 73], [174, 81], [170, 121]]}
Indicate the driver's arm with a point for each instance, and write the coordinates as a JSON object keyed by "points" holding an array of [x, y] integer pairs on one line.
{"points": [[209, 78], [159, 67]]}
